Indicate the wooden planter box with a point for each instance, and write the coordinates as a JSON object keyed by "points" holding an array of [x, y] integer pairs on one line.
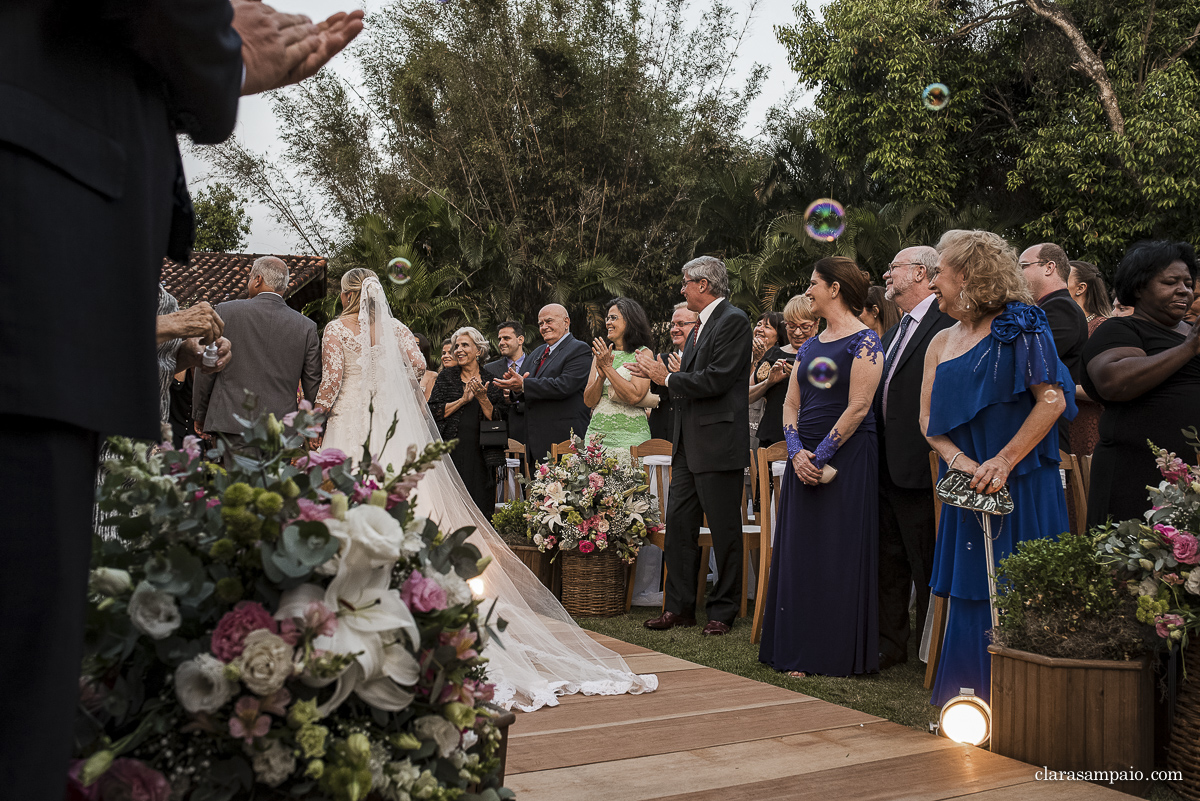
{"points": [[547, 572], [1074, 714]]}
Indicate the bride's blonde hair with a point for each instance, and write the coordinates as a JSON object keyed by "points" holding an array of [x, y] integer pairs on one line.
{"points": [[352, 282]]}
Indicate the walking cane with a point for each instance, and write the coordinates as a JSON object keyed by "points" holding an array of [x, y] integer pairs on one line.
{"points": [[989, 556]]}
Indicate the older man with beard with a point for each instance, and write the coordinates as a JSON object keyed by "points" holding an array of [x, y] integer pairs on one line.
{"points": [[906, 528]]}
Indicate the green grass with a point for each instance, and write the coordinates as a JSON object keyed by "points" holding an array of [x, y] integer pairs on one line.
{"points": [[897, 694]]}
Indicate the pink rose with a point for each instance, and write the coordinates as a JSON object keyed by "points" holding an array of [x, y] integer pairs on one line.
{"points": [[230, 635], [422, 594], [1185, 548], [1164, 623], [133, 780], [1165, 531], [585, 546], [312, 510]]}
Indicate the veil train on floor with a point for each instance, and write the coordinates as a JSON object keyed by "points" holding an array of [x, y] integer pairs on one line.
{"points": [[543, 653]]}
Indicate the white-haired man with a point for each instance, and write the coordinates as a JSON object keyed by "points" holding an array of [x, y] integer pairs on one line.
{"points": [[712, 416], [277, 350]]}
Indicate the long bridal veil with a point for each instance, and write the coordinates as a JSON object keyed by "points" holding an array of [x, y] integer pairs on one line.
{"points": [[542, 653]]}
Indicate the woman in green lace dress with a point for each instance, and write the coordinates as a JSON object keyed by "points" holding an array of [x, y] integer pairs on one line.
{"points": [[614, 394]]}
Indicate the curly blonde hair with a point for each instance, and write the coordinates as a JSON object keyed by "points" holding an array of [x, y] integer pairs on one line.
{"points": [[352, 282], [988, 264]]}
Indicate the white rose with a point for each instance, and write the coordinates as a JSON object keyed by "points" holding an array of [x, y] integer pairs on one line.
{"points": [[266, 662], [1148, 586], [275, 765], [153, 612], [457, 591], [371, 537], [1193, 582], [109, 581], [440, 730], [201, 686], [537, 539]]}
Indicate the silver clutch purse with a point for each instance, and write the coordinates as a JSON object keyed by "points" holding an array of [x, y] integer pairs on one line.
{"points": [[954, 489]]}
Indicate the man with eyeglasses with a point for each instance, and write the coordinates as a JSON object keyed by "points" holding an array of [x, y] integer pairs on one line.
{"points": [[906, 525], [662, 417], [1047, 269]]}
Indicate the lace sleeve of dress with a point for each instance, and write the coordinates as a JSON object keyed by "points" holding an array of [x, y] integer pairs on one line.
{"points": [[408, 344], [866, 344], [332, 365]]}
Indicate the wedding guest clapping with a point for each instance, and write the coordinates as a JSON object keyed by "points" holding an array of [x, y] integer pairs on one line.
{"points": [[994, 388], [613, 393], [662, 416]]}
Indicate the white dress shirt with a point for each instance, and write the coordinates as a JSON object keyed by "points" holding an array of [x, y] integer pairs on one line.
{"points": [[917, 314], [704, 317]]}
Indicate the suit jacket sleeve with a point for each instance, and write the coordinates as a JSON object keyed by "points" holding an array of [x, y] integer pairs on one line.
{"points": [[194, 48], [201, 392], [730, 357], [571, 380], [1064, 326], [310, 379]]}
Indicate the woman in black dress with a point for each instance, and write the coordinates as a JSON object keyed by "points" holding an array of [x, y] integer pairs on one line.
{"points": [[459, 402], [1145, 368], [769, 380]]}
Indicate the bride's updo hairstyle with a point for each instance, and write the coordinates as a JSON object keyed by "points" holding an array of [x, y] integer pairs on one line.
{"points": [[352, 282], [990, 272]]}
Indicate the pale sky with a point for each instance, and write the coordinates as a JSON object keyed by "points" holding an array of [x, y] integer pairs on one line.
{"points": [[256, 124]]}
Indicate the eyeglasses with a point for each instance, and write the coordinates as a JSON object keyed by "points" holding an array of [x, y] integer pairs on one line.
{"points": [[894, 265], [1024, 265], [683, 325], [687, 281], [805, 326]]}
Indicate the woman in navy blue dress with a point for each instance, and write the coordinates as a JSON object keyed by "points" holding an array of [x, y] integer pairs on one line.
{"points": [[820, 614], [994, 388]]}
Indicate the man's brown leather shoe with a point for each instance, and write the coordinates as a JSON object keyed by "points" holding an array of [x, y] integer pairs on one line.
{"points": [[716, 628], [669, 620]]}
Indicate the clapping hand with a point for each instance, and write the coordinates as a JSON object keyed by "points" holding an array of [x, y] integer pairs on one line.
{"points": [[673, 362], [512, 381], [759, 348], [280, 49], [476, 388], [603, 353], [647, 366], [780, 370]]}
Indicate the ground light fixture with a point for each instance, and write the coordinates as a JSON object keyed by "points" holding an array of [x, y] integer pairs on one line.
{"points": [[966, 718]]}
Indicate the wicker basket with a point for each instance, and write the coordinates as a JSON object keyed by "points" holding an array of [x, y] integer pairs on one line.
{"points": [[593, 585], [1183, 753], [547, 572]]}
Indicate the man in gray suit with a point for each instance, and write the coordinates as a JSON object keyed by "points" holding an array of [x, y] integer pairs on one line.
{"points": [[277, 349]]}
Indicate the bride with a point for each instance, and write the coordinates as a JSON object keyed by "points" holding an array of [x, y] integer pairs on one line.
{"points": [[371, 359]]}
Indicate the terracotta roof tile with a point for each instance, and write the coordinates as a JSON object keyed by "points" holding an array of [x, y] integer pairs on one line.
{"points": [[218, 277]]}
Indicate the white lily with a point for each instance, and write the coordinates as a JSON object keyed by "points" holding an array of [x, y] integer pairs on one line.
{"points": [[368, 614]]}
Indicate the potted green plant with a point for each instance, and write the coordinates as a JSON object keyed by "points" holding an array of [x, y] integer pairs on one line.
{"points": [[511, 522], [1072, 682]]}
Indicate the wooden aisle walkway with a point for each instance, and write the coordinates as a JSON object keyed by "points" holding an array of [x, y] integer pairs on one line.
{"points": [[707, 735]]}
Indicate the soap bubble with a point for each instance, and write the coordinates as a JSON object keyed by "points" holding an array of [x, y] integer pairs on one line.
{"points": [[399, 270], [822, 372], [936, 96], [825, 219]]}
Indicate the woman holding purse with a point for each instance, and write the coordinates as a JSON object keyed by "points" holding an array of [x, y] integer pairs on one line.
{"points": [[993, 391], [619, 399]]}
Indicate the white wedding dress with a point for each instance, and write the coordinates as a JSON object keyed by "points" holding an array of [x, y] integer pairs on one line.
{"points": [[543, 653]]}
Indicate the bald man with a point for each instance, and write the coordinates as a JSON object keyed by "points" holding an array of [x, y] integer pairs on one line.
{"points": [[551, 384], [906, 530], [277, 348]]}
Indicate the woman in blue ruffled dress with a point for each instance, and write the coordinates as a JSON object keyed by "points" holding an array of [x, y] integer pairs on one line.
{"points": [[993, 389], [821, 610]]}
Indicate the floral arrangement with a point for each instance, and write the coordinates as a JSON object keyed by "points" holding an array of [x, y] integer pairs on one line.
{"points": [[591, 501], [283, 627], [1158, 556]]}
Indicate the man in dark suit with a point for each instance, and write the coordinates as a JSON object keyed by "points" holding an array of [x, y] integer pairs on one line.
{"points": [[93, 95], [277, 349], [712, 416], [906, 527], [551, 384], [510, 339], [1047, 269], [662, 416]]}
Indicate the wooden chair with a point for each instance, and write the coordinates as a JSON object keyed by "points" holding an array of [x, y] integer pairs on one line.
{"points": [[1085, 473], [768, 493], [515, 450], [558, 449], [1074, 490], [660, 473], [941, 606]]}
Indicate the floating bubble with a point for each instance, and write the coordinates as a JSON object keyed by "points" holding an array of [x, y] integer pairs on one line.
{"points": [[968, 545], [1051, 396], [399, 270], [822, 372], [936, 96], [825, 219]]}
